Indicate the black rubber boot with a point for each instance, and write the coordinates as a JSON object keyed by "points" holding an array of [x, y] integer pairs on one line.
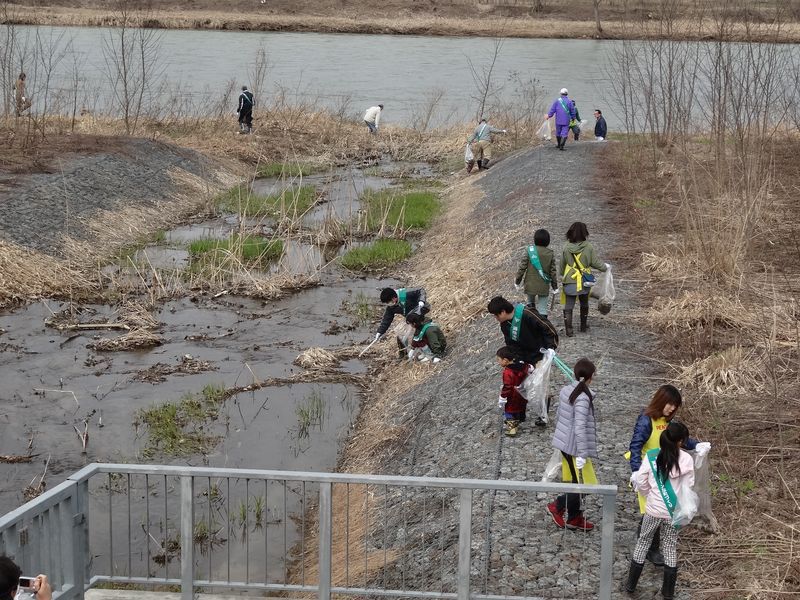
{"points": [[654, 553], [568, 323], [633, 576], [558, 142], [485, 163], [480, 164], [470, 164], [584, 318], [668, 586]]}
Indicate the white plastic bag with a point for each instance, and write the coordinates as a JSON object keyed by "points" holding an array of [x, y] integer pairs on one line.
{"points": [[705, 519], [552, 470], [534, 387], [544, 131], [468, 155], [604, 291], [583, 123], [688, 503]]}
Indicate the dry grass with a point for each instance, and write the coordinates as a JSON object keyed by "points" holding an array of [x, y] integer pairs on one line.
{"points": [[137, 339]]}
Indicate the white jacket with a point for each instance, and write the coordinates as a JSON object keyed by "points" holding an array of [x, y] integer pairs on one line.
{"points": [[645, 484], [373, 115]]}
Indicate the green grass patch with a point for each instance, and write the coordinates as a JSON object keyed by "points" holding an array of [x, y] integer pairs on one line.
{"points": [[408, 210], [279, 169], [290, 201], [249, 249], [182, 428], [377, 255]]}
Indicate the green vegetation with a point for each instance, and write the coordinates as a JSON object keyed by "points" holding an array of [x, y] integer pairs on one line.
{"points": [[290, 201], [181, 428], [249, 249], [377, 255], [310, 414], [279, 169], [361, 308], [407, 210]]}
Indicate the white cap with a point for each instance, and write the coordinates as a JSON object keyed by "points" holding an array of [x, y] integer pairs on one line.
{"points": [[564, 91]]}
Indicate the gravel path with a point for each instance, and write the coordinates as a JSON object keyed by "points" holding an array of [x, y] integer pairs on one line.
{"points": [[456, 423]]}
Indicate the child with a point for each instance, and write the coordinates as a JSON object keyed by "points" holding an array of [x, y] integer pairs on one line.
{"points": [[538, 270], [428, 341], [511, 401], [663, 473], [576, 437], [400, 302]]}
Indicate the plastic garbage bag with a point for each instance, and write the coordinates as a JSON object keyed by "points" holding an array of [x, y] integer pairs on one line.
{"points": [[583, 123], [603, 290], [544, 131], [552, 470], [468, 155], [687, 507], [535, 386], [704, 519]]}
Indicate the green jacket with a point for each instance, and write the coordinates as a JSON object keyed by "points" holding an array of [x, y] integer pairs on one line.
{"points": [[587, 257], [434, 339], [534, 284]]}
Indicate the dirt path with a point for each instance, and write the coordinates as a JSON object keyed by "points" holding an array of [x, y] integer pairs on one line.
{"points": [[452, 424]]}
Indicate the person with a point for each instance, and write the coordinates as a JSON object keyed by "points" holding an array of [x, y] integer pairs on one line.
{"points": [[538, 271], [373, 117], [10, 574], [512, 403], [481, 141], [564, 110], [21, 98], [600, 128], [245, 110], [650, 424], [576, 437], [428, 341], [575, 125], [664, 472], [401, 302], [577, 260], [524, 330]]}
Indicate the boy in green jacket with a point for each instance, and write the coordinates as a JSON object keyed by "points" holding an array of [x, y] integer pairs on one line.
{"points": [[428, 341], [538, 270]]}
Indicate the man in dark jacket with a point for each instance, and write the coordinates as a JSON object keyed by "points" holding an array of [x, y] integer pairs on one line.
{"points": [[403, 302], [525, 332], [245, 110], [600, 128]]}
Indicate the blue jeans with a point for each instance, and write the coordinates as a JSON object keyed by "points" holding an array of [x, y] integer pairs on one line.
{"points": [[372, 128], [541, 303]]}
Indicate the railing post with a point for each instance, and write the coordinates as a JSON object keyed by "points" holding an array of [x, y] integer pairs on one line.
{"points": [[607, 547], [325, 541], [187, 538], [464, 543], [80, 538]]}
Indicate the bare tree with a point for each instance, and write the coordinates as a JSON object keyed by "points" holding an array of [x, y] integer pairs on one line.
{"points": [[258, 74], [596, 7], [483, 76]]}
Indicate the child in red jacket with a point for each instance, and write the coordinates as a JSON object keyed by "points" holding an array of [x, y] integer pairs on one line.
{"points": [[511, 401]]}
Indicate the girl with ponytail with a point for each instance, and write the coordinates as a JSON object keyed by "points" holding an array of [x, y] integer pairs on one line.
{"points": [[665, 471]]}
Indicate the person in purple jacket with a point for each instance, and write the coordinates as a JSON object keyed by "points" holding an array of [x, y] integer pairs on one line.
{"points": [[564, 110]]}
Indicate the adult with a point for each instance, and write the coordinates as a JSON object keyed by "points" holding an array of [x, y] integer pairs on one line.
{"points": [[525, 331], [577, 260], [23, 103], [373, 117], [245, 110], [600, 127], [402, 301], [481, 141], [9, 581], [564, 110]]}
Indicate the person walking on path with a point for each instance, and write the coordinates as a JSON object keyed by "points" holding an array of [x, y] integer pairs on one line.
{"points": [[373, 117], [564, 110], [576, 437], [600, 127], [538, 272], [245, 110], [577, 260], [402, 301], [23, 102], [481, 141], [664, 473], [511, 402], [575, 125], [525, 331], [428, 341], [650, 424]]}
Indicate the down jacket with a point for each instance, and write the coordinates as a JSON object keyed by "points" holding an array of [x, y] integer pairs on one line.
{"points": [[641, 433], [575, 433], [645, 484], [513, 375]]}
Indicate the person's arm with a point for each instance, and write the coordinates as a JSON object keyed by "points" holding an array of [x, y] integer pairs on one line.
{"points": [[552, 110], [641, 433], [553, 274], [523, 267], [42, 588], [388, 317], [422, 295], [496, 130], [505, 328], [641, 481], [542, 329], [378, 119], [563, 264], [581, 423], [596, 263]]}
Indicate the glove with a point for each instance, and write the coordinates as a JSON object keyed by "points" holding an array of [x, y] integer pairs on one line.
{"points": [[580, 462], [501, 402], [608, 267], [702, 448], [377, 336], [504, 131], [554, 291], [424, 358], [516, 286], [421, 304], [411, 354], [633, 479], [436, 360]]}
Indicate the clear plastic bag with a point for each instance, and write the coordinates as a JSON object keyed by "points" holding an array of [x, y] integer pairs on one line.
{"points": [[704, 519], [544, 131], [468, 155], [534, 387], [688, 503], [603, 290], [552, 470]]}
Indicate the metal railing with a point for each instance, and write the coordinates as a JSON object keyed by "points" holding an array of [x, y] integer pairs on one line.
{"points": [[309, 533]]}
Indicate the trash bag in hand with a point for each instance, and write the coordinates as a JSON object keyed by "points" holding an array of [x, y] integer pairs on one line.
{"points": [[604, 291]]}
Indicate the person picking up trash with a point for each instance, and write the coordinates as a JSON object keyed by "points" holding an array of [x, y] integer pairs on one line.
{"points": [[428, 341], [481, 141], [372, 117], [402, 302], [524, 330]]}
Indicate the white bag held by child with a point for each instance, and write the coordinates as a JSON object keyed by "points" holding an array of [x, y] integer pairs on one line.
{"points": [[544, 131], [534, 387], [688, 502], [603, 290], [468, 155]]}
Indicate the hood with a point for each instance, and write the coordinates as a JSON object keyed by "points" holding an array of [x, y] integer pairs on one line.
{"points": [[575, 248]]}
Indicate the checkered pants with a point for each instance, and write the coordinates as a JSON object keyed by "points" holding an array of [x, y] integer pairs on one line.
{"points": [[669, 540]]}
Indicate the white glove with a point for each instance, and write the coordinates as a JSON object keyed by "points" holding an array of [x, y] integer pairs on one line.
{"points": [[633, 479], [504, 131], [501, 402], [411, 354], [599, 139], [421, 304], [554, 291], [424, 358], [580, 462], [436, 360], [377, 336], [702, 448], [517, 286]]}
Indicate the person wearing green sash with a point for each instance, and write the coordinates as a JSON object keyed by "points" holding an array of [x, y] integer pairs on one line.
{"points": [[525, 331], [661, 478], [538, 272], [402, 302], [428, 341]]}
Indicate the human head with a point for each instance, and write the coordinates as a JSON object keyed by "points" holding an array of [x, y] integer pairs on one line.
{"points": [[380, 106], [244, 88], [505, 356], [584, 371], [415, 319], [483, 120], [597, 113], [665, 403], [9, 578], [577, 232], [501, 308], [541, 237], [670, 442], [388, 296], [564, 91], [22, 75]]}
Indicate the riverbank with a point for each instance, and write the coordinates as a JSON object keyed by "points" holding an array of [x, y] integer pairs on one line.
{"points": [[491, 24]]}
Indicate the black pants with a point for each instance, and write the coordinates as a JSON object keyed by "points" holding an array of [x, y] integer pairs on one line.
{"points": [[572, 502], [246, 117], [582, 298]]}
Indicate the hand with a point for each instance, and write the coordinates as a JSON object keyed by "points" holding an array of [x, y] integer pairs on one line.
{"points": [[421, 304], [42, 588], [437, 360], [516, 286], [501, 402], [504, 131], [377, 336], [424, 358], [411, 354], [554, 291], [580, 462], [633, 479], [702, 448]]}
